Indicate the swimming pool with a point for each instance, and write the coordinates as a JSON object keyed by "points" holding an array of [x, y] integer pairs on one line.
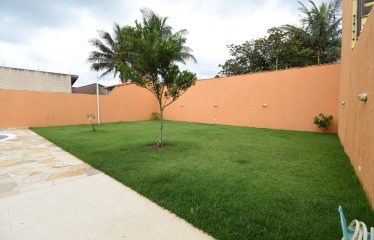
{"points": [[4, 137]]}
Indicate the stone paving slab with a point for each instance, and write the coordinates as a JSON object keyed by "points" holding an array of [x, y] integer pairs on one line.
{"points": [[46, 193], [29, 162]]}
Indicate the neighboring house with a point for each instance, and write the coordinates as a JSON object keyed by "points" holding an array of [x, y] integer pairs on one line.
{"points": [[91, 89], [32, 80], [111, 87]]}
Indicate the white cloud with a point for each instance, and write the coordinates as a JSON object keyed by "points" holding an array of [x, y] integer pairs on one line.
{"points": [[211, 24]]}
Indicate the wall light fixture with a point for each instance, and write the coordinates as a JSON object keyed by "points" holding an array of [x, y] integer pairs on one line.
{"points": [[362, 97]]}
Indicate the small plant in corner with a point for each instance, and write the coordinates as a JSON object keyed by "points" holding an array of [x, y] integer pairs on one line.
{"points": [[91, 117], [155, 116], [323, 122]]}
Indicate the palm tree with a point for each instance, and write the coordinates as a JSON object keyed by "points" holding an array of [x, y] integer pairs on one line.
{"points": [[110, 50], [155, 30], [320, 30]]}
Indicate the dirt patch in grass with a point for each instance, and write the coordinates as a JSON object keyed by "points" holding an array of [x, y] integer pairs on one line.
{"points": [[156, 147]]}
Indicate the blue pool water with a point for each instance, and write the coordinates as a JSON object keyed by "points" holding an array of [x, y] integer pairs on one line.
{"points": [[3, 137]]}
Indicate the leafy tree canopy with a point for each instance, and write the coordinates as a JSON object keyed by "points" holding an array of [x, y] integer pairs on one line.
{"points": [[278, 50], [317, 41], [153, 52], [320, 30]]}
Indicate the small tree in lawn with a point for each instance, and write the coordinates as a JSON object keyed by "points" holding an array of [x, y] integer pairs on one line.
{"points": [[91, 117], [154, 52]]}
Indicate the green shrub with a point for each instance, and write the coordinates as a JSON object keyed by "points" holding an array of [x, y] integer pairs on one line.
{"points": [[323, 122], [155, 116]]}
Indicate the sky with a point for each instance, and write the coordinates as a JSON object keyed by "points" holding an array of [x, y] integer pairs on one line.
{"points": [[54, 35]]}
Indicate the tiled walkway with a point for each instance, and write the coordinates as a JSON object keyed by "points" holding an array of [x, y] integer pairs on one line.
{"points": [[46, 193]]}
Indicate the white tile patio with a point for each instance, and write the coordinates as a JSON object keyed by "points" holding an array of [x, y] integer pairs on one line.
{"points": [[46, 193]]}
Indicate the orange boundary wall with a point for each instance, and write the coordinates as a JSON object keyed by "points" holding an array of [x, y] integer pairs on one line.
{"points": [[293, 97], [40, 109], [356, 124]]}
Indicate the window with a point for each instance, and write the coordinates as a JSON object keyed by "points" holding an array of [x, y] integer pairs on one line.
{"points": [[361, 10]]}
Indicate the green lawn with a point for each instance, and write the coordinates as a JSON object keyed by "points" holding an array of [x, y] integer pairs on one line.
{"points": [[232, 182]]}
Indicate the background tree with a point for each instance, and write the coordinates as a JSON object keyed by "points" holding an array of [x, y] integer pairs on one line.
{"points": [[110, 50], [320, 30], [278, 50], [154, 51], [317, 41]]}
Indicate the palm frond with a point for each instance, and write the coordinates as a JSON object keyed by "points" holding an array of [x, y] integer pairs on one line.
{"points": [[108, 51]]}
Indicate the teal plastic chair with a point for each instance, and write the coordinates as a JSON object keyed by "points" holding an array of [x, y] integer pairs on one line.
{"points": [[348, 232]]}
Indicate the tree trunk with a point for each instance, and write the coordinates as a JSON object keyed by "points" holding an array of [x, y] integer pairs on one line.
{"points": [[160, 142], [276, 64]]}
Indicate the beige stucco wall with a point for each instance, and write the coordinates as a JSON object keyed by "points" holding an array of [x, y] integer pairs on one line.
{"points": [[22, 79], [356, 123]]}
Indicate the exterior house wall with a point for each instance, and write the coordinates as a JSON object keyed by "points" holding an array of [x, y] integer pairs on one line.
{"points": [[293, 97], [356, 123], [22, 79]]}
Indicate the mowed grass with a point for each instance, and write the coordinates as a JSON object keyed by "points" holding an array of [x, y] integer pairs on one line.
{"points": [[231, 182]]}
